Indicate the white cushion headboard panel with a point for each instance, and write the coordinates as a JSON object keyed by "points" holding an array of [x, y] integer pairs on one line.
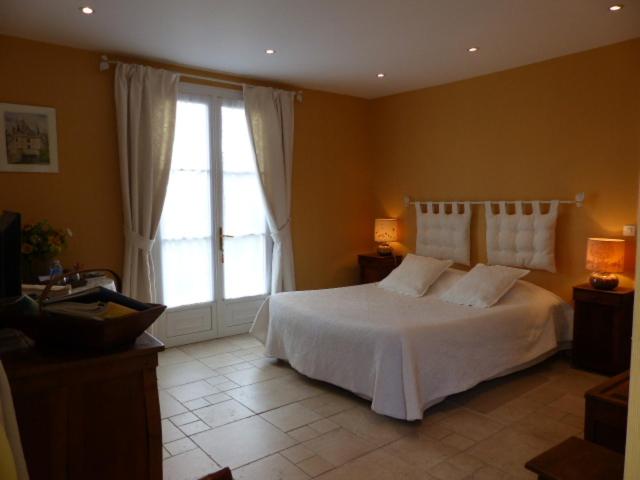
{"points": [[522, 240], [444, 235]]}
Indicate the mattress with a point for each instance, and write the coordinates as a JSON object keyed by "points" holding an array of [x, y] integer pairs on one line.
{"points": [[406, 354]]}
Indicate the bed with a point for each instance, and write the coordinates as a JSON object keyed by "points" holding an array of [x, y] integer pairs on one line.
{"points": [[406, 354]]}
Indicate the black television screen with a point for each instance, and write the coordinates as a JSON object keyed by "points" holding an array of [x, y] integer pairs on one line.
{"points": [[10, 245]]}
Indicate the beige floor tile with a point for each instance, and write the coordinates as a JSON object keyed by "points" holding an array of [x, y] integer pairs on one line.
{"points": [[339, 446], [291, 417], [489, 473], [171, 356], [271, 394], [169, 406], [242, 442], [196, 404], [217, 380], [223, 413], [245, 340], [182, 373], [324, 426], [180, 446], [208, 348], [421, 451], [553, 431], [470, 424], [508, 450], [254, 375], [188, 466], [303, 434], [515, 410], [458, 441], [447, 471], [437, 431], [332, 403], [170, 432], [377, 465], [575, 421], [228, 369], [217, 398], [194, 427], [570, 404], [228, 385], [545, 394], [466, 462], [297, 454], [371, 426], [274, 467], [183, 418], [315, 466], [248, 355], [490, 395], [218, 361], [192, 391], [165, 453]]}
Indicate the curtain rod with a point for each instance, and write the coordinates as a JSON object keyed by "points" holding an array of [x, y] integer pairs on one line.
{"points": [[578, 202], [105, 62]]}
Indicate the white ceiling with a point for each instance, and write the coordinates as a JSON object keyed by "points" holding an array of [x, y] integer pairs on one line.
{"points": [[333, 45]]}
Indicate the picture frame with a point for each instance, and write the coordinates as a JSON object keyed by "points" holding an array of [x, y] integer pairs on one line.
{"points": [[28, 139]]}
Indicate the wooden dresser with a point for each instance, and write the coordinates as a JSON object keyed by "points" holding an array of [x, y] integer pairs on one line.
{"points": [[605, 418], [374, 267], [602, 329], [89, 416]]}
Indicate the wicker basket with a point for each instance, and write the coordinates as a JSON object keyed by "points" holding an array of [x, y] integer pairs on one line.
{"points": [[53, 329]]}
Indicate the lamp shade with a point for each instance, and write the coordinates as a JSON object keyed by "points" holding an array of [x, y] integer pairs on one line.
{"points": [[386, 230], [605, 255]]}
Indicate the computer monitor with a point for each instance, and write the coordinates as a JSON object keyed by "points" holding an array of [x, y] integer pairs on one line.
{"points": [[10, 251]]}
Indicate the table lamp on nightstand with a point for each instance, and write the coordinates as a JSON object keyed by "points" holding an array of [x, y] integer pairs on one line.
{"points": [[605, 258], [385, 231]]}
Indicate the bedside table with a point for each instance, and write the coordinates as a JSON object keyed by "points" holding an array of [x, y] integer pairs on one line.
{"points": [[374, 267], [602, 324]]}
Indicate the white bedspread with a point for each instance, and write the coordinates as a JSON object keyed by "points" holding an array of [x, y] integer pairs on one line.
{"points": [[406, 354]]}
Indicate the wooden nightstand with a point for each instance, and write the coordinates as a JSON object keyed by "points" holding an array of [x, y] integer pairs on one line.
{"points": [[374, 267], [602, 329]]}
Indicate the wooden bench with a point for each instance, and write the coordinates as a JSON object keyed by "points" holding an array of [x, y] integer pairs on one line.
{"points": [[577, 459]]}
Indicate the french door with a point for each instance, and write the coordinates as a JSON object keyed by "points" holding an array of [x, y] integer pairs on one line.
{"points": [[213, 249]]}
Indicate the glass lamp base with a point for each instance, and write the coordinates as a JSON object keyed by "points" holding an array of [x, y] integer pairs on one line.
{"points": [[603, 281], [384, 250]]}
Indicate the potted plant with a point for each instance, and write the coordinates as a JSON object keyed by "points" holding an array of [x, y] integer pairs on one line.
{"points": [[41, 243]]}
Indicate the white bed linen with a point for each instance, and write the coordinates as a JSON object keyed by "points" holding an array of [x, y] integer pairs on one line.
{"points": [[406, 354]]}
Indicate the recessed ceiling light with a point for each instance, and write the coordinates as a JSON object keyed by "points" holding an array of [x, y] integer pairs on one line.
{"points": [[380, 75], [472, 49], [615, 8], [270, 51], [86, 10]]}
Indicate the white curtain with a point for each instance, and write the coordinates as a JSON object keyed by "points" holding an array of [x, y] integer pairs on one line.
{"points": [[270, 119], [146, 114]]}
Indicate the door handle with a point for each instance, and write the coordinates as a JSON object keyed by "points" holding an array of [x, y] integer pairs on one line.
{"points": [[221, 237]]}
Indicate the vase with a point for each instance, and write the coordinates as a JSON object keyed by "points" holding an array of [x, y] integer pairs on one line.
{"points": [[33, 268]]}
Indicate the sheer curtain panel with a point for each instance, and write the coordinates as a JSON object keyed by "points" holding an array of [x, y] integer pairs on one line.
{"points": [[146, 114], [269, 115]]}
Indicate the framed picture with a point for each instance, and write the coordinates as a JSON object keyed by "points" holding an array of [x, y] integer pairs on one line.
{"points": [[28, 139]]}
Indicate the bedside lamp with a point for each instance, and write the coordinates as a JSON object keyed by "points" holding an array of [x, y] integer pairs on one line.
{"points": [[605, 258], [385, 231]]}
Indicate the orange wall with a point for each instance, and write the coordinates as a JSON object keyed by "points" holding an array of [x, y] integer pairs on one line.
{"points": [[547, 130], [332, 204]]}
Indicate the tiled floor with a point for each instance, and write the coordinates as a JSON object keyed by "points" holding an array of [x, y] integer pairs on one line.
{"points": [[224, 404]]}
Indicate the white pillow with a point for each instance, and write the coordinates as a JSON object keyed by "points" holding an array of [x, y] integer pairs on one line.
{"points": [[415, 275], [483, 285]]}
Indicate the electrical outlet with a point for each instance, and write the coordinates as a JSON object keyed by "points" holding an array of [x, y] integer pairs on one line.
{"points": [[629, 231]]}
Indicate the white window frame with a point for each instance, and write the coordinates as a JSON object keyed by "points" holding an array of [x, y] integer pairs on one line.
{"points": [[225, 316]]}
